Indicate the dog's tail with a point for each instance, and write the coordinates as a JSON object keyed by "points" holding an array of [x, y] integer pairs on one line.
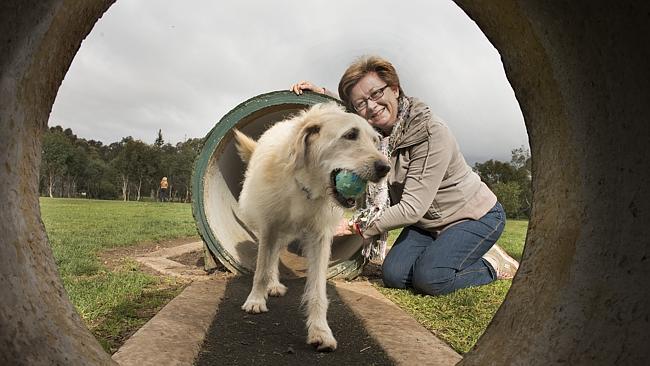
{"points": [[245, 145]]}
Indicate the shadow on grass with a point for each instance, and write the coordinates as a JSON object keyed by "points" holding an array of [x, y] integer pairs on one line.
{"points": [[278, 337], [128, 316]]}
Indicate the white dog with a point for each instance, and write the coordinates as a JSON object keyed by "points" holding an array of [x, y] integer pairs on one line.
{"points": [[289, 192]]}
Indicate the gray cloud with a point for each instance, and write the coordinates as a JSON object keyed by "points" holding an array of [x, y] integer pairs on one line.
{"points": [[180, 66]]}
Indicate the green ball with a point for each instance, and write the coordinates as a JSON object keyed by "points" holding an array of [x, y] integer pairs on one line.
{"points": [[349, 184]]}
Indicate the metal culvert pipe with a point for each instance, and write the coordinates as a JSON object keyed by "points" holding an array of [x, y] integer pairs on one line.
{"points": [[216, 184]]}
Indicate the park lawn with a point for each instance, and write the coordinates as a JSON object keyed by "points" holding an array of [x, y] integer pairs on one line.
{"points": [[461, 317], [112, 302]]}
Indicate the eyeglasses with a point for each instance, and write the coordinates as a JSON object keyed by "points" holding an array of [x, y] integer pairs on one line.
{"points": [[374, 96]]}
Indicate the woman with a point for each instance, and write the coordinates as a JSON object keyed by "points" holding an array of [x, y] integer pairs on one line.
{"points": [[164, 185], [450, 218]]}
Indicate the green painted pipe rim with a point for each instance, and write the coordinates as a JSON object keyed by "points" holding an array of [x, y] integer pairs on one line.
{"points": [[346, 268]]}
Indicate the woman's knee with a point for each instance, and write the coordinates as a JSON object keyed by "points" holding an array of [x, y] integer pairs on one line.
{"points": [[433, 281], [394, 274]]}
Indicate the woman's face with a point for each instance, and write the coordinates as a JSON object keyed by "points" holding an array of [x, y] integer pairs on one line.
{"points": [[381, 112]]}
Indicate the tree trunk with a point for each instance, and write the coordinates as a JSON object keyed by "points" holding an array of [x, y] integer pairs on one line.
{"points": [[125, 187], [50, 185], [68, 186], [139, 188], [73, 187]]}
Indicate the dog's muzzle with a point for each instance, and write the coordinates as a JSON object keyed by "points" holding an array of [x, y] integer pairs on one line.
{"points": [[381, 170]]}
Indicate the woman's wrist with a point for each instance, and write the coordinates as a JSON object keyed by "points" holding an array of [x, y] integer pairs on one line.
{"points": [[355, 227]]}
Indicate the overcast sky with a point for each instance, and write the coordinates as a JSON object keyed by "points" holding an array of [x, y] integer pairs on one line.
{"points": [[180, 66]]}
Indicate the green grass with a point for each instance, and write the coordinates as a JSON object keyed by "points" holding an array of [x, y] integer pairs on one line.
{"points": [[113, 303], [78, 228], [461, 317]]}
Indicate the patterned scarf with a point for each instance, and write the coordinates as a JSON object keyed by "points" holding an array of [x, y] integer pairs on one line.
{"points": [[377, 198]]}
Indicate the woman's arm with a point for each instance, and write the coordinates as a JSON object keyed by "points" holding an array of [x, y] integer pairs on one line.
{"points": [[307, 85], [428, 164]]}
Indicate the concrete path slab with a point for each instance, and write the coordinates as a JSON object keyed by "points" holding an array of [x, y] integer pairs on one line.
{"points": [[160, 261], [177, 250], [401, 336], [176, 335], [169, 267]]}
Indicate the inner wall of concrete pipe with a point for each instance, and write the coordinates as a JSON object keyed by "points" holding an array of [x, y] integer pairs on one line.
{"points": [[236, 245]]}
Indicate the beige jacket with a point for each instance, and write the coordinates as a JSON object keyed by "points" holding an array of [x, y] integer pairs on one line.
{"points": [[430, 184]]}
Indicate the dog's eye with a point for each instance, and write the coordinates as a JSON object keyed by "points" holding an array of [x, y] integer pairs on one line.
{"points": [[353, 134]]}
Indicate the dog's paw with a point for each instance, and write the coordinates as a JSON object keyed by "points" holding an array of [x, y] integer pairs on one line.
{"points": [[277, 289], [255, 306], [323, 340]]}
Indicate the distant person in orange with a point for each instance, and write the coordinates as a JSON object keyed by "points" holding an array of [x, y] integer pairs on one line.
{"points": [[164, 185]]}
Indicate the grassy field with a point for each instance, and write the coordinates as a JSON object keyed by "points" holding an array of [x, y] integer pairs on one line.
{"points": [[461, 317], [113, 302]]}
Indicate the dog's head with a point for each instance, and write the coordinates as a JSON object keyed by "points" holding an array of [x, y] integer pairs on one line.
{"points": [[330, 140]]}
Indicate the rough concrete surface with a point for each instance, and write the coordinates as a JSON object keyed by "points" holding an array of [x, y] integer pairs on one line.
{"points": [[160, 261]]}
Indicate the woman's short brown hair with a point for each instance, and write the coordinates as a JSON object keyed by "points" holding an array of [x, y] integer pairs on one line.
{"points": [[360, 68]]}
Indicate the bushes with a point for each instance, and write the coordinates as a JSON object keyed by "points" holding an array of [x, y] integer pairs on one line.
{"points": [[508, 194], [510, 182]]}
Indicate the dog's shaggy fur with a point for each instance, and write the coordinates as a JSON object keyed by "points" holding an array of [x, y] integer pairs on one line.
{"points": [[289, 193]]}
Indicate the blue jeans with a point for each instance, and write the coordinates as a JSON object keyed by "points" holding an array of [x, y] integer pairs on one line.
{"points": [[437, 265]]}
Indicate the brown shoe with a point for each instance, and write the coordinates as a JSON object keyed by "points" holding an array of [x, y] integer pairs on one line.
{"points": [[504, 265]]}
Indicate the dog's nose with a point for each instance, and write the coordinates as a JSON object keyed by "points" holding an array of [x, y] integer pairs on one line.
{"points": [[381, 168]]}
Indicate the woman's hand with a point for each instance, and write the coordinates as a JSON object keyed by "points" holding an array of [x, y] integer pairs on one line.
{"points": [[306, 85], [344, 228]]}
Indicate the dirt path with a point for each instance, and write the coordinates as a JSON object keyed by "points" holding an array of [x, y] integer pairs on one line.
{"points": [[278, 337]]}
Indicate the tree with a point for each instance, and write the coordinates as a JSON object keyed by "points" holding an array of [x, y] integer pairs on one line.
{"points": [[159, 140], [144, 164], [521, 161], [124, 164], [184, 163], [100, 181], [57, 151], [494, 171], [508, 194], [510, 181], [75, 168]]}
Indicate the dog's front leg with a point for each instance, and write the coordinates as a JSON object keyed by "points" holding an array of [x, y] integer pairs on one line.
{"points": [[256, 301], [319, 333], [275, 287]]}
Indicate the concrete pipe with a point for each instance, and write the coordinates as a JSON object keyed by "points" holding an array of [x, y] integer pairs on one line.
{"points": [[38, 324], [580, 72], [216, 184]]}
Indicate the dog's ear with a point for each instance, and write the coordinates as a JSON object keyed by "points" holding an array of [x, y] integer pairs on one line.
{"points": [[301, 148]]}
